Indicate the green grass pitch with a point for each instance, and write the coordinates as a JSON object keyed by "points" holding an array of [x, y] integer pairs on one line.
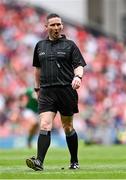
{"points": [[96, 162]]}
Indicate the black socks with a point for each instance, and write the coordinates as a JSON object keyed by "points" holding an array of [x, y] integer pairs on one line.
{"points": [[44, 140], [72, 142]]}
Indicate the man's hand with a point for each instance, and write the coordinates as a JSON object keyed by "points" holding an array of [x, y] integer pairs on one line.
{"points": [[76, 82]]}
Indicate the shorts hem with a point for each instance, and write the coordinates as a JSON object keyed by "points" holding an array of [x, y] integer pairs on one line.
{"points": [[68, 114], [42, 111]]}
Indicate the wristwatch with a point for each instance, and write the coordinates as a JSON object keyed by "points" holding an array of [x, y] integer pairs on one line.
{"points": [[36, 89], [78, 76]]}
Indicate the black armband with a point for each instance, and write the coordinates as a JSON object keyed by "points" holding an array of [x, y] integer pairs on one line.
{"points": [[36, 89], [78, 76]]}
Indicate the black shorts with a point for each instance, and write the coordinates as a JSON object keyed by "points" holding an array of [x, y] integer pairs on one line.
{"points": [[58, 98]]}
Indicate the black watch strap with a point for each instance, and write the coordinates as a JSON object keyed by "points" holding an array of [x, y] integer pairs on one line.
{"points": [[78, 76]]}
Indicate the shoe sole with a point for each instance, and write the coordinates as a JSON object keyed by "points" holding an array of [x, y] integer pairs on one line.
{"points": [[31, 165]]}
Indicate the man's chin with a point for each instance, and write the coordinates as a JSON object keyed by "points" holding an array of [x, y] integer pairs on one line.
{"points": [[56, 36]]}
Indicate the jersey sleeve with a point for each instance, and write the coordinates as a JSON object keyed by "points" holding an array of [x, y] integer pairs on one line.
{"points": [[36, 62], [77, 58]]}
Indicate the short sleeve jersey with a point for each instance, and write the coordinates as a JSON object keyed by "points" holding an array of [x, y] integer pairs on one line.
{"points": [[57, 61]]}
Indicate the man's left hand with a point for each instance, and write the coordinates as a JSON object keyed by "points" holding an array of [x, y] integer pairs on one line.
{"points": [[76, 82]]}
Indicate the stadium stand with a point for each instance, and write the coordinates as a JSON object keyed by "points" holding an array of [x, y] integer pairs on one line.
{"points": [[102, 96]]}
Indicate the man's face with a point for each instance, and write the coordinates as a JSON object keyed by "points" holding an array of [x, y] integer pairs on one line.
{"points": [[54, 27]]}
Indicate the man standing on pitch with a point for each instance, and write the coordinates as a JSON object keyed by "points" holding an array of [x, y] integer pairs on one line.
{"points": [[58, 69]]}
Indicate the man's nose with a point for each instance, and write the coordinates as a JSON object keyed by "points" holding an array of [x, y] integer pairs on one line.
{"points": [[56, 27]]}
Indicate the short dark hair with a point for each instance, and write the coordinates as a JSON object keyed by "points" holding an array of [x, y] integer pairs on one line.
{"points": [[52, 15]]}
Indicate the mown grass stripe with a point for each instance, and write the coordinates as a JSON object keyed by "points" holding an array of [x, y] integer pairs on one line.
{"points": [[97, 162]]}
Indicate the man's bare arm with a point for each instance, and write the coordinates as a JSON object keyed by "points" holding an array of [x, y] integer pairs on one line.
{"points": [[37, 77], [78, 72]]}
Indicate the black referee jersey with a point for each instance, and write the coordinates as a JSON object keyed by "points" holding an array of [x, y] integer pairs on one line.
{"points": [[57, 60]]}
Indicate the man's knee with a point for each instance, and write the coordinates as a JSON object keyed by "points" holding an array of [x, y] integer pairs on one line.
{"points": [[67, 122], [45, 126], [46, 120], [68, 127]]}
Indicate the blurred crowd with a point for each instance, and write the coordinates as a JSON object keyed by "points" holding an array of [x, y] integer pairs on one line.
{"points": [[102, 96]]}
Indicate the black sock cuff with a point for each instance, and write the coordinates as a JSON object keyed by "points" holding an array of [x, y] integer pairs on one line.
{"points": [[46, 133], [71, 133]]}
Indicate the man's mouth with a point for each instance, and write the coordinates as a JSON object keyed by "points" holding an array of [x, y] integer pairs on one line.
{"points": [[56, 33]]}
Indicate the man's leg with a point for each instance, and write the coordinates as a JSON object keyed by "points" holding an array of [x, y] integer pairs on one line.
{"points": [[72, 140], [44, 139]]}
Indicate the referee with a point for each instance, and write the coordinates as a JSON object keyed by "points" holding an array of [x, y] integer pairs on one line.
{"points": [[58, 70]]}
